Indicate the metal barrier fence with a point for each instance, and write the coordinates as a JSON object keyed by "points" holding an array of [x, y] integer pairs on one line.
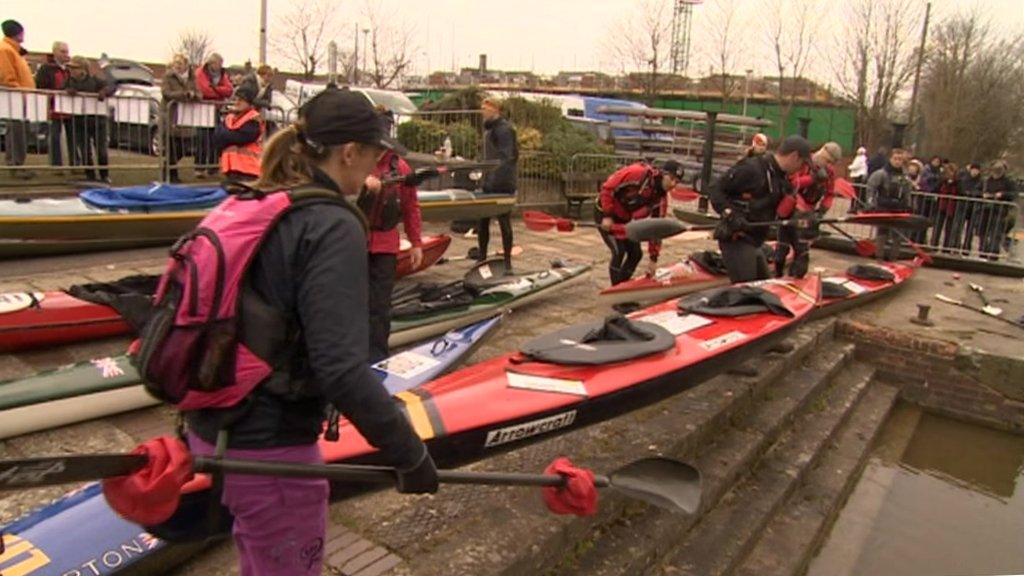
{"points": [[961, 225], [60, 136]]}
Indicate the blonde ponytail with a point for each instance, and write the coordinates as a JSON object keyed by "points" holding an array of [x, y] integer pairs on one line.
{"points": [[287, 160]]}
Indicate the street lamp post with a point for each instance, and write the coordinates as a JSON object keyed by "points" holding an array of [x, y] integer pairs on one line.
{"points": [[366, 34], [746, 94]]}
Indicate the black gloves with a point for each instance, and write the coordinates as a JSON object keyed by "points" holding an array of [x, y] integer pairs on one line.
{"points": [[420, 479], [732, 224]]}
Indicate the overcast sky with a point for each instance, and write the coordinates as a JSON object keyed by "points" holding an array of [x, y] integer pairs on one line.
{"points": [[543, 35]]}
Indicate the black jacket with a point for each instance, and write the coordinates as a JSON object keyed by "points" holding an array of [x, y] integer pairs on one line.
{"points": [[90, 84], [753, 187], [313, 268], [500, 144], [50, 75], [889, 189]]}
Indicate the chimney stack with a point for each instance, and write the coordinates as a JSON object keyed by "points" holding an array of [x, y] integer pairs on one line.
{"points": [[483, 63]]}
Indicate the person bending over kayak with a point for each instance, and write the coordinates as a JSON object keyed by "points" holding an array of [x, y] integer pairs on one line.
{"points": [[813, 190], [630, 193], [750, 192], [384, 209], [312, 269]]}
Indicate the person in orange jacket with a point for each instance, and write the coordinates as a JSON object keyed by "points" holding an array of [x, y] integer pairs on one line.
{"points": [[15, 73], [239, 139], [814, 187]]}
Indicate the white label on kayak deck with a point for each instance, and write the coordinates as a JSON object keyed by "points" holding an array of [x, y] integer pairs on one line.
{"points": [[542, 384], [528, 429], [108, 367], [408, 364], [485, 273], [671, 320], [14, 301], [723, 340], [847, 283]]}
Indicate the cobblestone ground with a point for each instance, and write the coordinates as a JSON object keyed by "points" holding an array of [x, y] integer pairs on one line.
{"points": [[574, 304]]}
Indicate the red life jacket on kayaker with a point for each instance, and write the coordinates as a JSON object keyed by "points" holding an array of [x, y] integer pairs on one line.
{"points": [[810, 191], [633, 192], [210, 341], [243, 158]]}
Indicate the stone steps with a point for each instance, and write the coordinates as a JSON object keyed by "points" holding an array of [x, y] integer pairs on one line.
{"points": [[634, 543], [725, 535], [792, 538]]}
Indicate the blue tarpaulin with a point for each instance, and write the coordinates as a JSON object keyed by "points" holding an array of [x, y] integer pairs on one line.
{"points": [[154, 197]]}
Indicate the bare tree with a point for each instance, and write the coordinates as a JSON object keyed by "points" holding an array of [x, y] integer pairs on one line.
{"points": [[790, 30], [391, 47], [642, 43], [876, 61], [724, 49], [971, 89], [195, 45], [301, 36]]}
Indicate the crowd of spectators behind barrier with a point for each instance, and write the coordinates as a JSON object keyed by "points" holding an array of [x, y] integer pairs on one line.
{"points": [[973, 208], [86, 137]]}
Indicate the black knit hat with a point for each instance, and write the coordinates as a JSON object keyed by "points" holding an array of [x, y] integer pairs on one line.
{"points": [[674, 168], [12, 28], [246, 92], [338, 116]]}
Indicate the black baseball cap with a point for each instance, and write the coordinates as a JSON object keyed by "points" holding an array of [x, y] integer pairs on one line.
{"points": [[674, 168], [796, 144], [339, 116]]}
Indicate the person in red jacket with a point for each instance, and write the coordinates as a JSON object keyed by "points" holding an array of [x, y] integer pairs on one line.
{"points": [[632, 192], [385, 207], [214, 86], [813, 191], [946, 222]]}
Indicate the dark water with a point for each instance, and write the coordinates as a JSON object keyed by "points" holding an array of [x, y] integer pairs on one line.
{"points": [[938, 497]]}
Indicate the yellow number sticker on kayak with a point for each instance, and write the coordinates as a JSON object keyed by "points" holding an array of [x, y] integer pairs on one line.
{"points": [[20, 557]]}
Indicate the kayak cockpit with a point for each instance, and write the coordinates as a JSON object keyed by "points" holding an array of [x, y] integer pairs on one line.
{"points": [[614, 339]]}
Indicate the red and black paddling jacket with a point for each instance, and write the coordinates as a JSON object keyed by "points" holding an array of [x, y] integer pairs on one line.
{"points": [[633, 192], [810, 192]]}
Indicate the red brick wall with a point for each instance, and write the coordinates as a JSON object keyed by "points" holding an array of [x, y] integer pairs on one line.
{"points": [[933, 374]]}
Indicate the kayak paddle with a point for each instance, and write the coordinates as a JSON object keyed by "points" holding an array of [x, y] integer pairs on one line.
{"points": [[516, 251], [661, 228], [962, 304], [987, 308], [544, 222], [845, 188], [662, 482], [864, 247]]}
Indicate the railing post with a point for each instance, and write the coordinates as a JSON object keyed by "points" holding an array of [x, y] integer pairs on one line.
{"points": [[706, 167]]}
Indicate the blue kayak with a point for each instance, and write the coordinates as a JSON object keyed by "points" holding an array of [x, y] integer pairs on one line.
{"points": [[156, 197], [80, 534]]}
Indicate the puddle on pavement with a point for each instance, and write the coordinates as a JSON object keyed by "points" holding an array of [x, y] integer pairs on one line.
{"points": [[937, 497]]}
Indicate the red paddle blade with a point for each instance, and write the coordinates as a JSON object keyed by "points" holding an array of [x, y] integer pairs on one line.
{"points": [[845, 188], [865, 248], [684, 194], [564, 225], [539, 221]]}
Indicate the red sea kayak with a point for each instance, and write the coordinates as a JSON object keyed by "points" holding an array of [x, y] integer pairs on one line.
{"points": [[862, 283], [53, 318], [688, 275]]}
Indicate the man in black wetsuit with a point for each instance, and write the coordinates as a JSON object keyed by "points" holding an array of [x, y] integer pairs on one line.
{"points": [[748, 193]]}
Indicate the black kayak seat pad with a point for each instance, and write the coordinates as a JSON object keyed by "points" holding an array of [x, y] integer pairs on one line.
{"points": [[733, 301], [614, 339], [834, 290], [870, 272], [710, 260]]}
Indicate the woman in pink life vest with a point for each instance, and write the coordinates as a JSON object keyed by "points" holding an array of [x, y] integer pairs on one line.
{"points": [[309, 271]]}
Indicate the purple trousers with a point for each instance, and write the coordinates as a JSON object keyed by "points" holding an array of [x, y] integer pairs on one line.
{"points": [[279, 522]]}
